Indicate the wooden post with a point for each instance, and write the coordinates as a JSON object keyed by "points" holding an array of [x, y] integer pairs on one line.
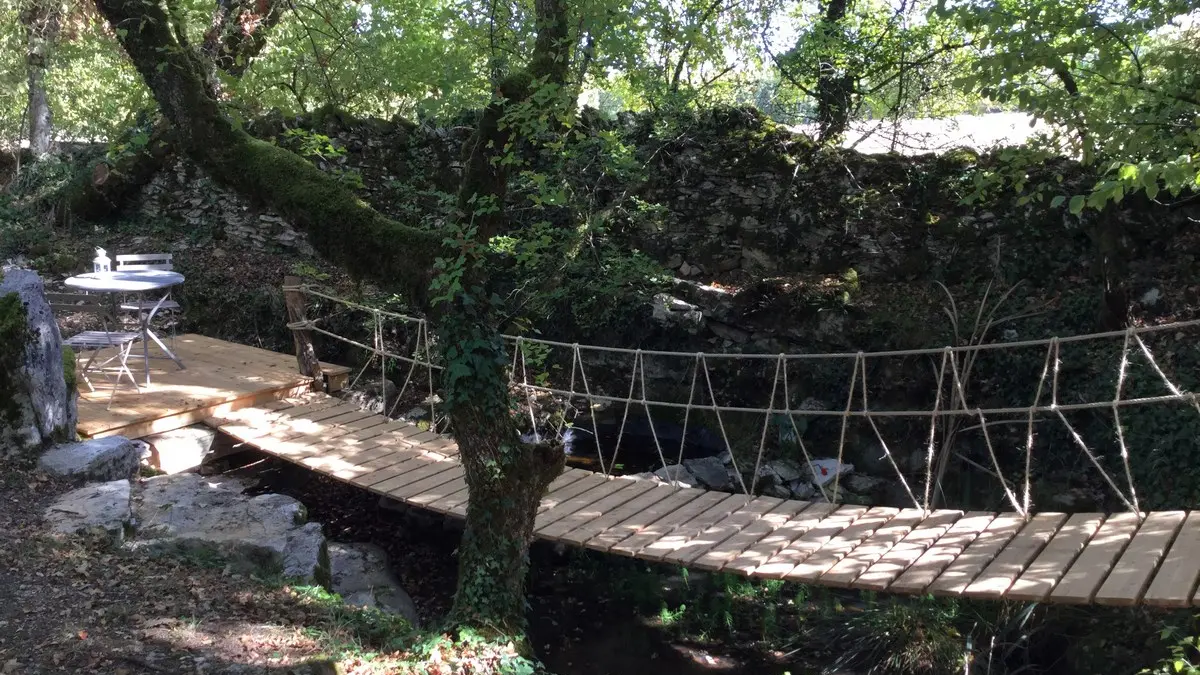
{"points": [[306, 356]]}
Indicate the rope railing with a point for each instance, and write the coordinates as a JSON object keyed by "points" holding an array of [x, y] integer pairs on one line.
{"points": [[950, 400]]}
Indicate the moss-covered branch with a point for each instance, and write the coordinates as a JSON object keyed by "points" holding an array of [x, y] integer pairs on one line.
{"points": [[340, 226]]}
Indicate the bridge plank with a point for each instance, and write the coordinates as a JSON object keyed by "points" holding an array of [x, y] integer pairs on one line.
{"points": [[579, 501], [582, 534], [442, 492], [1051, 565], [1091, 567], [682, 537], [414, 460], [393, 486], [639, 522], [433, 481], [783, 562], [1176, 578], [1130, 576], [927, 568], [730, 549], [568, 489], [853, 564], [717, 534], [769, 546], [1010, 563], [629, 489], [959, 574], [841, 544], [897, 559], [660, 528]]}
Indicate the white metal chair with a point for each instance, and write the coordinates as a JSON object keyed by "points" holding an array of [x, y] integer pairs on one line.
{"points": [[95, 341], [136, 262]]}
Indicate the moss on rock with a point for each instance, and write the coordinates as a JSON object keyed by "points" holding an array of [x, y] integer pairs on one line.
{"points": [[14, 335]]}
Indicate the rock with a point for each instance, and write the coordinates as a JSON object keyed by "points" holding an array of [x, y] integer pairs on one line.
{"points": [[186, 513], [685, 269], [786, 469], [777, 490], [1151, 297], [671, 311], [863, 484], [101, 459], [371, 397], [727, 332], [416, 414], [39, 406], [710, 472], [98, 508], [675, 261], [360, 574], [182, 449], [802, 489], [677, 473]]}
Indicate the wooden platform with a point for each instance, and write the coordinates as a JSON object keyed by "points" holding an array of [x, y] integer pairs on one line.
{"points": [[219, 377], [1082, 558]]}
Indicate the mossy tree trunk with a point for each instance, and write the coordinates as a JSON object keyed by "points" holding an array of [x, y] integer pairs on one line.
{"points": [[237, 33], [506, 478]]}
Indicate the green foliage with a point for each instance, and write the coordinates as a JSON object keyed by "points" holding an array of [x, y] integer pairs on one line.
{"points": [[14, 335], [1184, 658]]}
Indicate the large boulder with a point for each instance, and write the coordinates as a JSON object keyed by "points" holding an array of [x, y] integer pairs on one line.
{"points": [[183, 449], [37, 407], [110, 458], [211, 517], [360, 575], [99, 508]]}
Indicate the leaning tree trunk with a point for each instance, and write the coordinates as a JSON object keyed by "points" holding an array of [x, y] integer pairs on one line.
{"points": [[42, 20], [505, 478], [834, 88], [237, 33]]}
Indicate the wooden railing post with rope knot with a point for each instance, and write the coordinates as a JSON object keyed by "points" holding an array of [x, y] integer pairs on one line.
{"points": [[306, 355]]}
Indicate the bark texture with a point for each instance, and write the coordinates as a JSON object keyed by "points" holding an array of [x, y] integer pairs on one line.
{"points": [[42, 20]]}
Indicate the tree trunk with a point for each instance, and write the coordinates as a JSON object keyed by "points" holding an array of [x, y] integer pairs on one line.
{"points": [[238, 32], [505, 478], [834, 88], [42, 22]]}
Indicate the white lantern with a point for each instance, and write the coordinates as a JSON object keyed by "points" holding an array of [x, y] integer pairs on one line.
{"points": [[101, 263]]}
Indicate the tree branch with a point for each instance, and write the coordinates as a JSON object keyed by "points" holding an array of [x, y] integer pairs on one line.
{"points": [[339, 225]]}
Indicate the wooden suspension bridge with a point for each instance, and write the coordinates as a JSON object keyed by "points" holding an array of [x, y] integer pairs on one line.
{"points": [[257, 397]]}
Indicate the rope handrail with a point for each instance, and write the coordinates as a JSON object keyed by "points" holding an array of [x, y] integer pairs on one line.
{"points": [[890, 353], [952, 380]]}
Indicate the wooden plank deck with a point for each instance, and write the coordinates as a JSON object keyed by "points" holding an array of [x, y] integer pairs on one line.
{"points": [[1081, 558]]}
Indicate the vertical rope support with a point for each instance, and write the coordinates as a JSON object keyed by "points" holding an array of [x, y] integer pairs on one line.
{"points": [[787, 403], [591, 407], [650, 419], [1026, 499], [423, 327], [933, 420], [1171, 386], [1122, 371], [1078, 440], [987, 439], [412, 368], [525, 385], [633, 371], [382, 358], [712, 397], [687, 412], [780, 364], [858, 363], [862, 373]]}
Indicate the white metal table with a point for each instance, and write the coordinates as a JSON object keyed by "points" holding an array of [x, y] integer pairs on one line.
{"points": [[140, 281]]}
